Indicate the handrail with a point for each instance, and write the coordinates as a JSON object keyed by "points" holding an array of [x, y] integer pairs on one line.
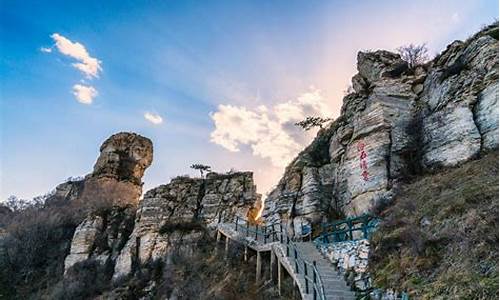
{"points": [[340, 233], [301, 265]]}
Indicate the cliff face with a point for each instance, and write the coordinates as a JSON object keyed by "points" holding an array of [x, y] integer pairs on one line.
{"points": [[171, 218], [112, 192], [175, 215], [397, 123]]}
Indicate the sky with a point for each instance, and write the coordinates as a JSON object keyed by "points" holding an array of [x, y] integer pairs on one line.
{"points": [[213, 82]]}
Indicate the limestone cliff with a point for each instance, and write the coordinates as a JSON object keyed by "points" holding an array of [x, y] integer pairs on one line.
{"points": [[175, 214], [131, 235], [112, 192], [397, 123]]}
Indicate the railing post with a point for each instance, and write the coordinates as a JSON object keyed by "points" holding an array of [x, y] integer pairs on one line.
{"points": [[256, 231], [307, 285], [349, 223], [314, 280], [236, 224], [365, 226], [287, 250], [305, 268], [247, 227], [301, 229]]}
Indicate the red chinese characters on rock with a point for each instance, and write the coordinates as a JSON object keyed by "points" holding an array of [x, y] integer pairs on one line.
{"points": [[362, 161]]}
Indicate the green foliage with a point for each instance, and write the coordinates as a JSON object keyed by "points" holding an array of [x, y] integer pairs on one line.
{"points": [[201, 168], [311, 122]]}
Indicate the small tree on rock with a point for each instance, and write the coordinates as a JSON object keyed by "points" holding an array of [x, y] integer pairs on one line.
{"points": [[201, 168], [311, 122], [414, 55]]}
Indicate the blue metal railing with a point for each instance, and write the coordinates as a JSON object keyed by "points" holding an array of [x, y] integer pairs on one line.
{"points": [[350, 229]]}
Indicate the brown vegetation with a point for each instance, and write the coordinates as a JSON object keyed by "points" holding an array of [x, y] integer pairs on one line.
{"points": [[440, 238]]}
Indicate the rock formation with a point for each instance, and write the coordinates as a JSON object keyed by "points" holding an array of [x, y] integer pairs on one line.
{"points": [[112, 191], [126, 233], [174, 215], [398, 122], [117, 175]]}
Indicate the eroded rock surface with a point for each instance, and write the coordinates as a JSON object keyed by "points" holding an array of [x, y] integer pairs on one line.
{"points": [[397, 123], [175, 215], [111, 194]]}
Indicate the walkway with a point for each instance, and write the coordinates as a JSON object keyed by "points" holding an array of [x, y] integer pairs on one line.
{"points": [[314, 276]]}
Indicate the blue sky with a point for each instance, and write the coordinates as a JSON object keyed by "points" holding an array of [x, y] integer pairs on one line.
{"points": [[227, 78]]}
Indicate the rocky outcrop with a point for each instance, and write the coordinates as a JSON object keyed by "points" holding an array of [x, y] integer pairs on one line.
{"points": [[111, 194], [398, 122], [124, 157], [117, 175], [125, 234], [176, 214], [101, 236]]}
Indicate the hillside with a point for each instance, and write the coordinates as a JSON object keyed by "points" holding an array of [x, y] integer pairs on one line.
{"points": [[439, 239]]}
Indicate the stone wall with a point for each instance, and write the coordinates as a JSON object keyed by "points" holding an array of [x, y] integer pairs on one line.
{"points": [[351, 259]]}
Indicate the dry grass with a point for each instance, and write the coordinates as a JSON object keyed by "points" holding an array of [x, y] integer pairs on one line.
{"points": [[440, 238]]}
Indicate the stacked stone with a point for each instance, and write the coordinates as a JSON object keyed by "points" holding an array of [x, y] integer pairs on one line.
{"points": [[350, 257]]}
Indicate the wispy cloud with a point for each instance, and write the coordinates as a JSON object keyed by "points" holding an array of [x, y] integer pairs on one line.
{"points": [[46, 49], [270, 132], [90, 66], [153, 118], [84, 93]]}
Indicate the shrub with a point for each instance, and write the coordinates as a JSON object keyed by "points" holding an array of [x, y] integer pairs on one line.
{"points": [[414, 55]]}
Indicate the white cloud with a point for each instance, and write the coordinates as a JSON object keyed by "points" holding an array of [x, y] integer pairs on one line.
{"points": [[88, 65], [153, 118], [270, 132], [45, 49], [84, 93]]}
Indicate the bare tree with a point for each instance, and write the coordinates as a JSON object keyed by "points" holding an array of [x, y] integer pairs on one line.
{"points": [[311, 122], [414, 55], [201, 168]]}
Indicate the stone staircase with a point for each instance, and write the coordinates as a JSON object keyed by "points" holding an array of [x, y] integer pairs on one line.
{"points": [[298, 260], [334, 285]]}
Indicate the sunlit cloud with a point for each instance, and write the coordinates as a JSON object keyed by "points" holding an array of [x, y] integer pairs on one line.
{"points": [[90, 66], [84, 93], [269, 131], [46, 49], [153, 118]]}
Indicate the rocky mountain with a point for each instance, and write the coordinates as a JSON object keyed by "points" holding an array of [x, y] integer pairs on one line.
{"points": [[95, 238], [399, 122]]}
